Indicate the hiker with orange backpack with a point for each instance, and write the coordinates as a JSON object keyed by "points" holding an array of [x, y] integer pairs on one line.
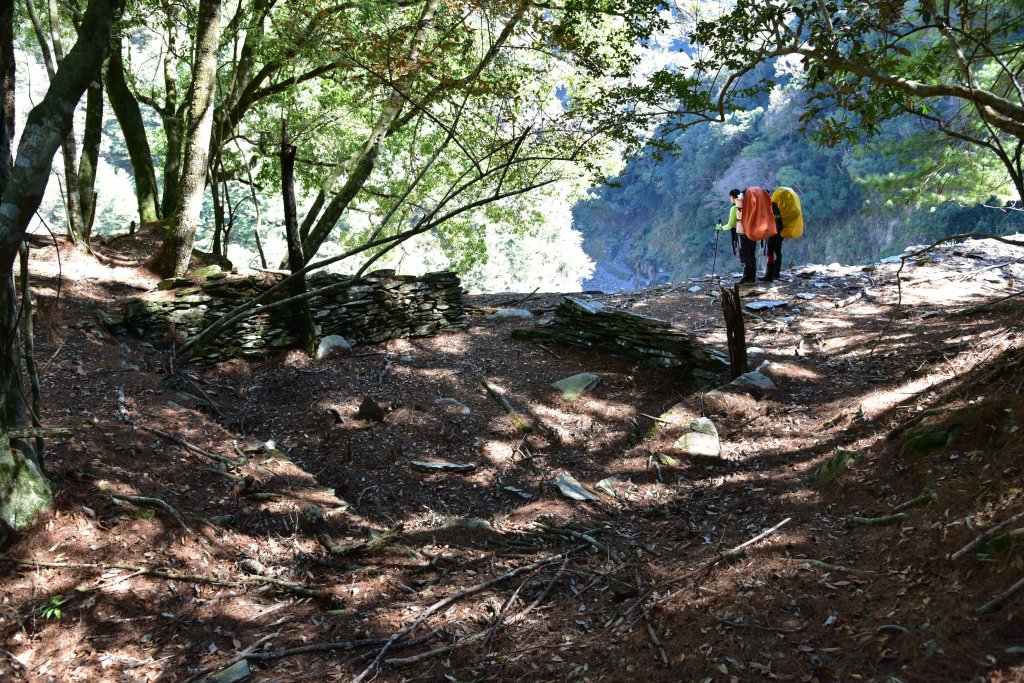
{"points": [[748, 254]]}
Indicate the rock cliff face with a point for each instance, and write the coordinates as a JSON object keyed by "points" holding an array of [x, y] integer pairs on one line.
{"points": [[370, 309]]}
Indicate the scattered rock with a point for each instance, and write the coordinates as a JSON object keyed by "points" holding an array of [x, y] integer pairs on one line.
{"points": [[574, 387], [331, 343], [753, 379], [701, 440], [443, 466], [511, 313], [572, 489], [451, 406], [764, 304], [370, 410]]}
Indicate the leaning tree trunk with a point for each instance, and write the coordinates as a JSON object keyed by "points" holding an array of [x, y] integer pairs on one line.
{"points": [[133, 129], [24, 491], [91, 139], [176, 250]]}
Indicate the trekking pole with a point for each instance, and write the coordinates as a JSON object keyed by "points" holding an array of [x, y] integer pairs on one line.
{"points": [[714, 265]]}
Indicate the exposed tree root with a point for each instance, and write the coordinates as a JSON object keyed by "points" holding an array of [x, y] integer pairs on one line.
{"points": [[297, 589], [146, 500]]}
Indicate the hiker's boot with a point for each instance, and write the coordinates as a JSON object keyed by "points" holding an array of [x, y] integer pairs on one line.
{"points": [[749, 275], [769, 273], [778, 269]]}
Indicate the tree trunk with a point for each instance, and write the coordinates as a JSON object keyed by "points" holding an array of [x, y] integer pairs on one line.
{"points": [[6, 91], [171, 118], [174, 135], [69, 151], [366, 157], [133, 129], [23, 489], [176, 250], [736, 336], [91, 139], [302, 321]]}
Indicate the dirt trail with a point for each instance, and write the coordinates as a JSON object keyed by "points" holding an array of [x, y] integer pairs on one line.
{"points": [[502, 576]]}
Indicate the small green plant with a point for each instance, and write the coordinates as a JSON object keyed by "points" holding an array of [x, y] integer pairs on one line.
{"points": [[51, 610]]}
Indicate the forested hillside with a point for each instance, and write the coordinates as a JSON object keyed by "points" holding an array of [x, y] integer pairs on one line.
{"points": [[861, 201]]}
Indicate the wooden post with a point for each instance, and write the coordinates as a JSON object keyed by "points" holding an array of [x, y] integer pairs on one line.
{"points": [[734, 331]]}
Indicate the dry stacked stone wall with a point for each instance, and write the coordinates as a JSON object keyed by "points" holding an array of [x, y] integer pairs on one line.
{"points": [[374, 308], [651, 341]]}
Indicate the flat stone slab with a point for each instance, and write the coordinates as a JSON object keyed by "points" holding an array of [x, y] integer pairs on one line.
{"points": [[764, 304], [574, 387]]}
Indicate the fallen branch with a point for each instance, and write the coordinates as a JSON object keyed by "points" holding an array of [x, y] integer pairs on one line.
{"points": [[985, 537], [247, 652], [39, 433], [185, 444], [304, 591], [314, 516], [843, 303], [830, 567], [146, 500], [520, 422], [423, 656], [444, 602], [733, 553], [652, 634], [998, 601], [706, 566], [579, 535], [877, 521], [974, 309], [744, 624], [927, 496]]}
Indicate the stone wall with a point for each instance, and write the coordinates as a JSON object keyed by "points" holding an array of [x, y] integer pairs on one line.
{"points": [[649, 340], [370, 309]]}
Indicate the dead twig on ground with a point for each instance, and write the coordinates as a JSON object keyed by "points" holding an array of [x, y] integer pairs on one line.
{"points": [[423, 656], [747, 624], [998, 601], [877, 521], [304, 591], [830, 567], [147, 500], [520, 422], [185, 444], [927, 496], [707, 566], [579, 535], [314, 516], [655, 640], [985, 536], [444, 602]]}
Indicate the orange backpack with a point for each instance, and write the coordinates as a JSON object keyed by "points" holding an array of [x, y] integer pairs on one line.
{"points": [[758, 217]]}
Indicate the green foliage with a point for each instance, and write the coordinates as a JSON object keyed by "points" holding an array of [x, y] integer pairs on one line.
{"points": [[52, 610], [835, 466]]}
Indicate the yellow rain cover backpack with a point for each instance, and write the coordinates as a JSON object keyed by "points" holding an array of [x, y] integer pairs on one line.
{"points": [[789, 210]]}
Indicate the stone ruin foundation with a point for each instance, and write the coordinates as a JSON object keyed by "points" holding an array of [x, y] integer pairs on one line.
{"points": [[367, 310]]}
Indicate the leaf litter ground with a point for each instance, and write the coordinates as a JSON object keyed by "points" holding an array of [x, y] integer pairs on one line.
{"points": [[636, 585]]}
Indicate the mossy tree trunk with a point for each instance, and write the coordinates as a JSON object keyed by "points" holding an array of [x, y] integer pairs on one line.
{"points": [[24, 491], [175, 252], [133, 129]]}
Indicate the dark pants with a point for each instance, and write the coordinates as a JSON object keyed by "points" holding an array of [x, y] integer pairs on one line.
{"points": [[774, 248], [748, 257]]}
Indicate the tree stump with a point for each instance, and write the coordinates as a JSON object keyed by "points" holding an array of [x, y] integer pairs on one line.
{"points": [[734, 331]]}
